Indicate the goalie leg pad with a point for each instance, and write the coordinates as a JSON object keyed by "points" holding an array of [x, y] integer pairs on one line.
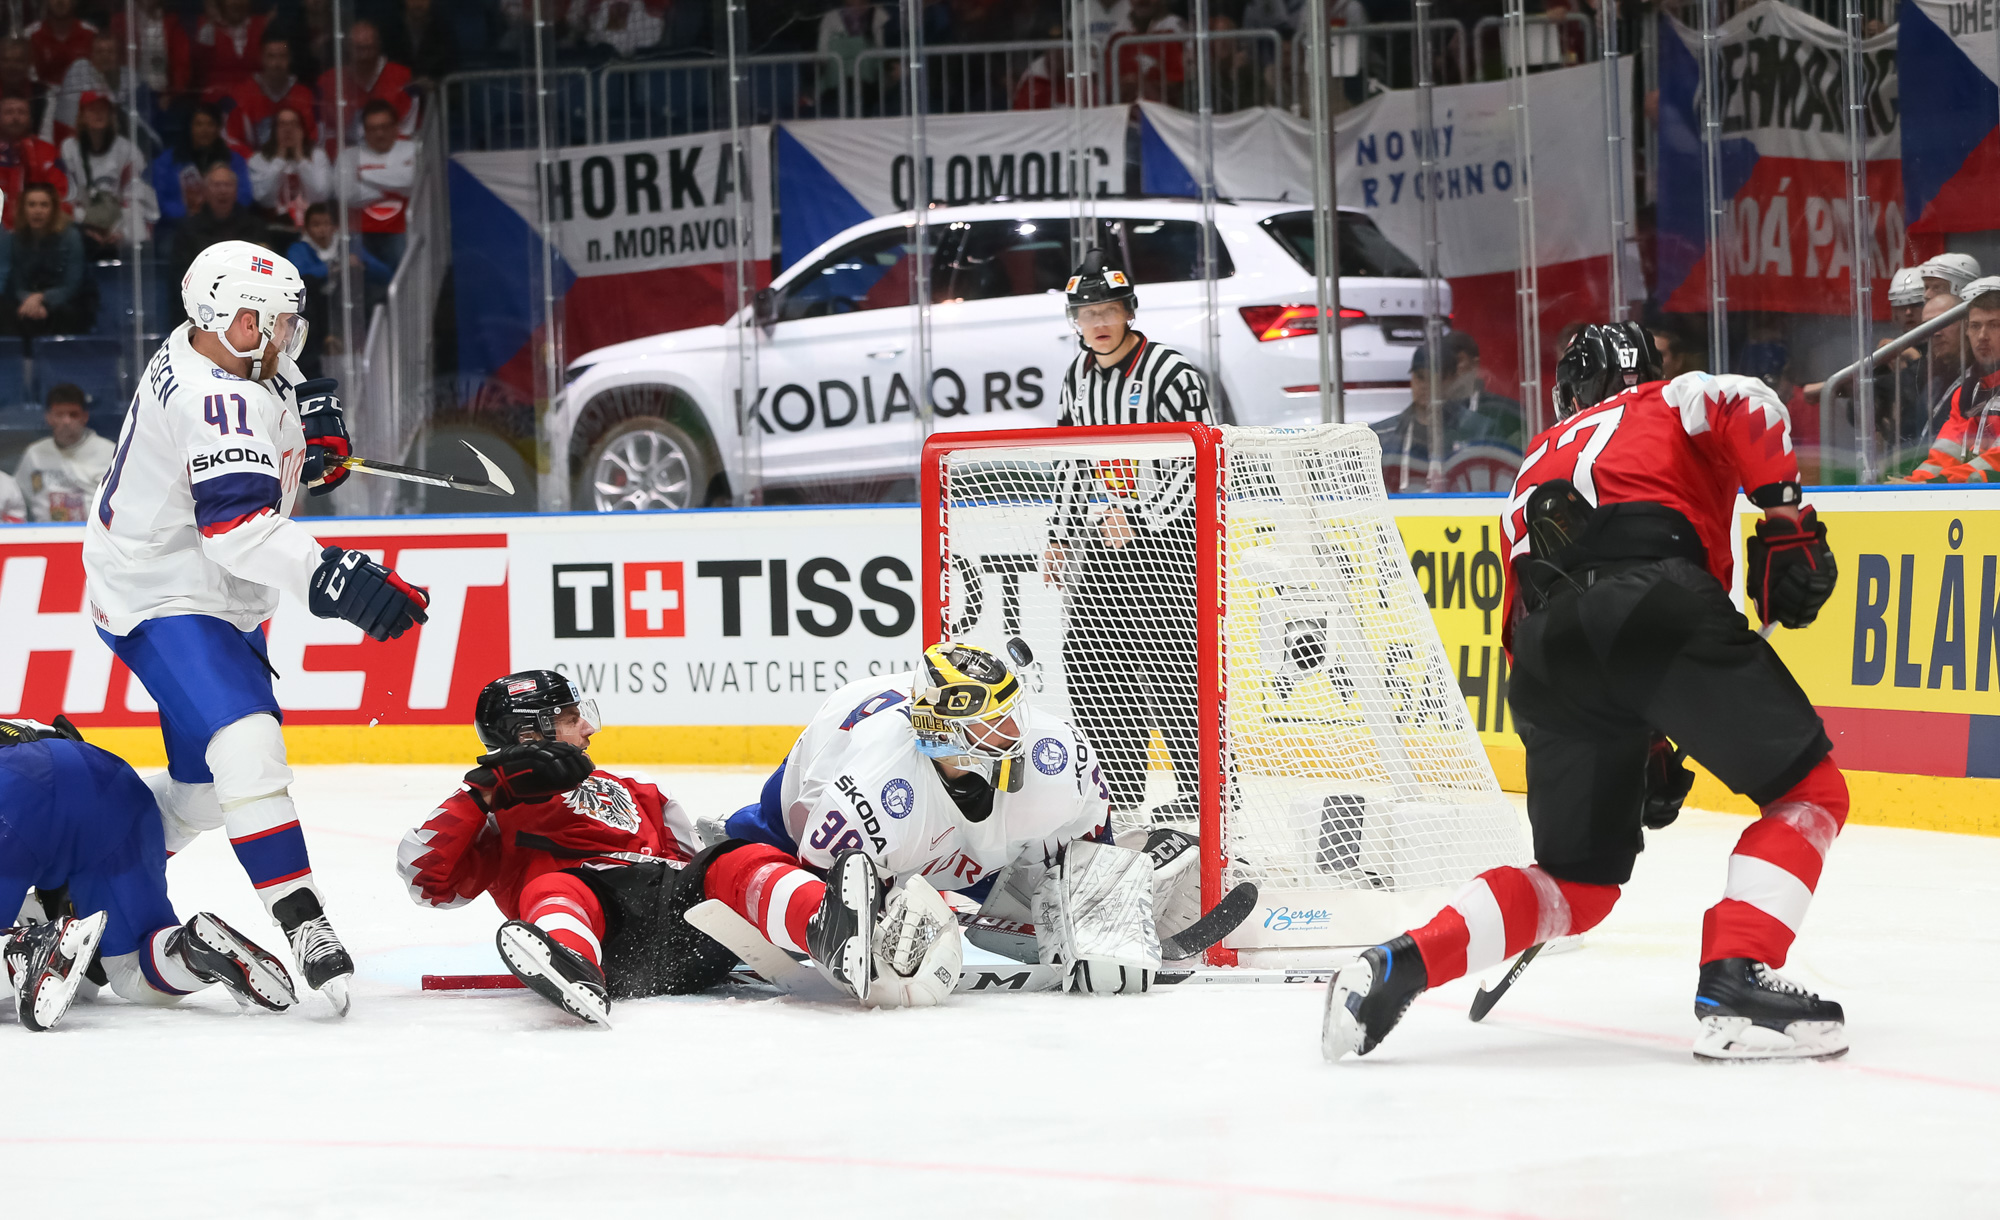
{"points": [[1094, 915], [918, 952]]}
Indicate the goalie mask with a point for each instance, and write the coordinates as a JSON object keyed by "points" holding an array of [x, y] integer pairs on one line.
{"points": [[530, 700], [231, 276], [967, 714]]}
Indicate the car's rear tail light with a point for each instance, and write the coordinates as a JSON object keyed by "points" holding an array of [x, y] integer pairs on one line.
{"points": [[1269, 322]]}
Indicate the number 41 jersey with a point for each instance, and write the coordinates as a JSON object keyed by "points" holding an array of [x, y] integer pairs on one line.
{"points": [[194, 516], [1689, 444]]}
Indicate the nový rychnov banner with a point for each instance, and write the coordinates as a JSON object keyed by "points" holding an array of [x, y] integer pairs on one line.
{"points": [[834, 173], [1946, 58], [646, 234], [1787, 232], [1267, 154]]}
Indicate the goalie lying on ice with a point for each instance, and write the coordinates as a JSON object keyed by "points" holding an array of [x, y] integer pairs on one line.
{"points": [[945, 778]]}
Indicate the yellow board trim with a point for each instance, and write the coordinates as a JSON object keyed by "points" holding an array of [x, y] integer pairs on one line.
{"points": [[1875, 798], [309, 745]]}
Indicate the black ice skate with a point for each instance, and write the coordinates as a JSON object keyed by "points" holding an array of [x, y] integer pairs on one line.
{"points": [[322, 959], [554, 972], [1750, 1012], [46, 964], [840, 936], [1366, 999], [214, 952]]}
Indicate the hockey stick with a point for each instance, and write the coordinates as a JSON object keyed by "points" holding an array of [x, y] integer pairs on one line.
{"points": [[1483, 1002], [1009, 938], [495, 482]]}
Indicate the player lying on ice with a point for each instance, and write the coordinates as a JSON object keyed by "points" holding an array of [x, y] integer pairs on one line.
{"points": [[1621, 630], [949, 778], [595, 872], [80, 827], [191, 540]]}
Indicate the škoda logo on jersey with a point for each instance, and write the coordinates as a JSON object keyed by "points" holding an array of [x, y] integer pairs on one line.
{"points": [[863, 809], [229, 457]]}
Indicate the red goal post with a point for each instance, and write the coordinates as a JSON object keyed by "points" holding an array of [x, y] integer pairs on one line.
{"points": [[1238, 600]]}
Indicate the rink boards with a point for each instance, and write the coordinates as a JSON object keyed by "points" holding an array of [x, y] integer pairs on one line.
{"points": [[708, 637]]}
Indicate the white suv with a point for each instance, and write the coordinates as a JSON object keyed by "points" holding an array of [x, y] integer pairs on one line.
{"points": [[651, 423]]}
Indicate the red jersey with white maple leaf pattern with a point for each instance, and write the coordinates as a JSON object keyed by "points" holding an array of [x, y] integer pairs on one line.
{"points": [[1688, 444], [462, 850]]}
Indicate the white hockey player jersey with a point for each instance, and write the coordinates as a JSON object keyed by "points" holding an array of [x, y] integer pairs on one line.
{"points": [[58, 482], [855, 779], [194, 516]]}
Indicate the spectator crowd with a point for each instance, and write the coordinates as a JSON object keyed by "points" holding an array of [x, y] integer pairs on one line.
{"points": [[212, 120]]}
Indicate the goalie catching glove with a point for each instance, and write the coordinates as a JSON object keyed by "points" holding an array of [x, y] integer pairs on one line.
{"points": [[1791, 569], [529, 771], [1094, 919]]}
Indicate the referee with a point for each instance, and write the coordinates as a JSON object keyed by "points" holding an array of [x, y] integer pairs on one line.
{"points": [[1121, 546]]}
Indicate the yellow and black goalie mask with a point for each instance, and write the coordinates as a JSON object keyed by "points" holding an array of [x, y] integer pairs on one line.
{"points": [[967, 714]]}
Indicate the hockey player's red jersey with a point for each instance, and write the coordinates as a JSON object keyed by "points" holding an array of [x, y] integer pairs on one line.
{"points": [[1688, 444], [462, 851]]}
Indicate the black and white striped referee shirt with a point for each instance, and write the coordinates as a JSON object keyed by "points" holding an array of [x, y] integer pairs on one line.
{"points": [[1153, 384]]}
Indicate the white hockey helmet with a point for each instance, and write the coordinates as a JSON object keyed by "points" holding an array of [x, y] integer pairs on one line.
{"points": [[1957, 270], [235, 275], [1979, 288], [1906, 287]]}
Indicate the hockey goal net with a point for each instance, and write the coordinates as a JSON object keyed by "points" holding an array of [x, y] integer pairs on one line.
{"points": [[1230, 617]]}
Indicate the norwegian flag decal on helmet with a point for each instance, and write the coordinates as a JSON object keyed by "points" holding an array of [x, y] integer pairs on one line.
{"points": [[262, 266]]}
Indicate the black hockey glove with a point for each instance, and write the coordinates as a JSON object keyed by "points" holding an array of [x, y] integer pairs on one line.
{"points": [[349, 585], [529, 771], [1791, 569], [326, 435], [1667, 783]]}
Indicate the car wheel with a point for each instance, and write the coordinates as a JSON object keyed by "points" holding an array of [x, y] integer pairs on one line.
{"points": [[644, 465]]}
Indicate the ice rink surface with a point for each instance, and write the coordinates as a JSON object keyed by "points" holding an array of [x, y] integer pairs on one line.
{"points": [[1576, 1098]]}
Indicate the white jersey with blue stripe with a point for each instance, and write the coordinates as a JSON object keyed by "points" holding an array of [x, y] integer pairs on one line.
{"points": [[856, 779], [194, 516]]}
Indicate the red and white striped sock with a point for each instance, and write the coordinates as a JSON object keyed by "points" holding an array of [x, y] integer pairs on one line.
{"points": [[561, 905], [768, 888], [1503, 911], [1774, 870]]}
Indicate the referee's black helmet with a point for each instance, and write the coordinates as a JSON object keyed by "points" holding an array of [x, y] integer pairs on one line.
{"points": [[1096, 281]]}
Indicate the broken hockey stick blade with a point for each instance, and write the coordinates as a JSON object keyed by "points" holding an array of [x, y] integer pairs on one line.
{"points": [[1483, 1002], [494, 483]]}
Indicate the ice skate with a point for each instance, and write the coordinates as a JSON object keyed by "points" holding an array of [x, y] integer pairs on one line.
{"points": [[554, 972], [46, 964], [1367, 998], [217, 953], [840, 936], [323, 960], [1749, 1012]]}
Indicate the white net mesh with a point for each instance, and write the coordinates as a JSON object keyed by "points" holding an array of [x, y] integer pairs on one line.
{"points": [[1346, 759]]}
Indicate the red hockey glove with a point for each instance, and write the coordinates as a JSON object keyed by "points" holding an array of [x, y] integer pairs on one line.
{"points": [[1791, 569], [529, 771]]}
